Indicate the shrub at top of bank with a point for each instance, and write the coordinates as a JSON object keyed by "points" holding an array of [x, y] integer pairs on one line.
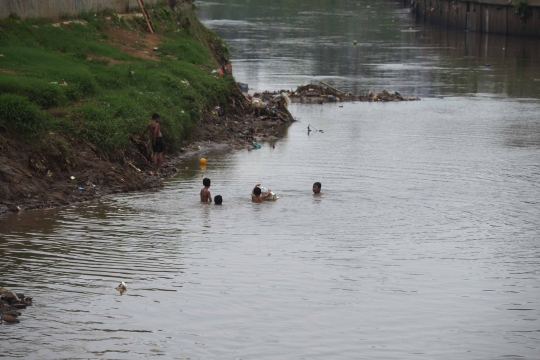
{"points": [[37, 91], [106, 104], [523, 10], [21, 117]]}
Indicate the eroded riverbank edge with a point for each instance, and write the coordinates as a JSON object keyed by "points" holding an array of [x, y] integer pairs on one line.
{"points": [[60, 170]]}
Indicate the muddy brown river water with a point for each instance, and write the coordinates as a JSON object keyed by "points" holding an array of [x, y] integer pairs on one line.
{"points": [[424, 245]]}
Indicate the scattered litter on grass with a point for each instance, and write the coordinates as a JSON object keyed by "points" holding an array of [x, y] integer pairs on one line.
{"points": [[80, 22]]}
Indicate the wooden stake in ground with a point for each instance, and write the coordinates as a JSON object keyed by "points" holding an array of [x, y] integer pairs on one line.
{"points": [[146, 16]]}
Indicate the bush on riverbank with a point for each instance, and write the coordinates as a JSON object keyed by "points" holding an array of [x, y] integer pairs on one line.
{"points": [[20, 116], [112, 91]]}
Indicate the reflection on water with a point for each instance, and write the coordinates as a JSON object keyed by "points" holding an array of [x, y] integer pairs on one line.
{"points": [[486, 63], [424, 244], [282, 45]]}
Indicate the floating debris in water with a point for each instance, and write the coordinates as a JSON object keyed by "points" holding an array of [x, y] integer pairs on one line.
{"points": [[10, 305], [122, 288], [325, 93]]}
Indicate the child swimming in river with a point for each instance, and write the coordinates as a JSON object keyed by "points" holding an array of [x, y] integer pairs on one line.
{"points": [[206, 197], [317, 188], [257, 196]]}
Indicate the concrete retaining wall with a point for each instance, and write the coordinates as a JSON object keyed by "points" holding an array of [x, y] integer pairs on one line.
{"points": [[490, 16], [53, 9]]}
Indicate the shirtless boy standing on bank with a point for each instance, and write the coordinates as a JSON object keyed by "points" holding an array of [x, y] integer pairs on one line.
{"points": [[206, 197], [157, 140]]}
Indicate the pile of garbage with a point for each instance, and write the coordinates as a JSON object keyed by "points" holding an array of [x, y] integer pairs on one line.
{"points": [[10, 305], [273, 107], [324, 93]]}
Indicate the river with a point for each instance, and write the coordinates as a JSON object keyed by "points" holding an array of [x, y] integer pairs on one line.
{"points": [[424, 244]]}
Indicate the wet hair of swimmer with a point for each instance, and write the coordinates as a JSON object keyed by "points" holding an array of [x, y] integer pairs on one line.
{"points": [[206, 182], [155, 116], [317, 184], [218, 199], [257, 191]]}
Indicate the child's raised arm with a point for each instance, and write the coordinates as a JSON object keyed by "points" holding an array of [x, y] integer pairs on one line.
{"points": [[266, 194]]}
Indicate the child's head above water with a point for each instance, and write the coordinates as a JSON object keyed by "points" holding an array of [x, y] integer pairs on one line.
{"points": [[317, 187], [218, 200], [257, 191], [206, 182]]}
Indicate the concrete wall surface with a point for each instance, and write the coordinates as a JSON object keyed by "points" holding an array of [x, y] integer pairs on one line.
{"points": [[489, 16], [53, 9], [532, 3]]}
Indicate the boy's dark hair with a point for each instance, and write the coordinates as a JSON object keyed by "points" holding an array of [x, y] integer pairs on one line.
{"points": [[317, 184], [206, 182], [218, 199], [257, 191], [155, 116]]}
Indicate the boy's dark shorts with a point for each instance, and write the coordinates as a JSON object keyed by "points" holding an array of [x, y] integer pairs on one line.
{"points": [[159, 146]]}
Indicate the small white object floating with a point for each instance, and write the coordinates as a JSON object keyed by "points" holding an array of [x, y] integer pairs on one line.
{"points": [[272, 196], [122, 286]]}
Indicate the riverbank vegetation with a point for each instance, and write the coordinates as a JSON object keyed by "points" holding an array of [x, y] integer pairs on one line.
{"points": [[116, 75]]}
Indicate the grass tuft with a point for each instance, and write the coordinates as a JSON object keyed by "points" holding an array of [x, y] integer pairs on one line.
{"points": [[38, 91], [21, 117]]}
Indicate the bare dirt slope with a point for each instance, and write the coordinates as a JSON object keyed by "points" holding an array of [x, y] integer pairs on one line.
{"points": [[61, 170]]}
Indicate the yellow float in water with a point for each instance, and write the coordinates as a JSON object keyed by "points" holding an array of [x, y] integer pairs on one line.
{"points": [[203, 162]]}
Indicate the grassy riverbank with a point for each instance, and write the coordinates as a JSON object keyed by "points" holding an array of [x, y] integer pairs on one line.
{"points": [[115, 79], [64, 144]]}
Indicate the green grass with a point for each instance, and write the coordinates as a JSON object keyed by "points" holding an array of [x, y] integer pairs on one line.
{"points": [[37, 91], [20, 116], [104, 103], [187, 50]]}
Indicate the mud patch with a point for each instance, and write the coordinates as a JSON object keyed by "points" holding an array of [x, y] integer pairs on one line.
{"points": [[60, 170], [6, 71], [109, 61], [135, 43]]}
